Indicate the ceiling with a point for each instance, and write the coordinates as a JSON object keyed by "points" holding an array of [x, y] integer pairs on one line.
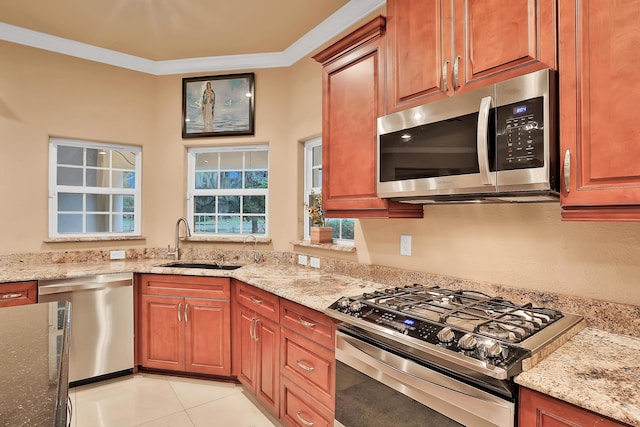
{"points": [[171, 36]]}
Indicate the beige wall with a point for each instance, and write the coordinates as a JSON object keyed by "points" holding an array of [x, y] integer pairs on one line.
{"points": [[44, 94]]}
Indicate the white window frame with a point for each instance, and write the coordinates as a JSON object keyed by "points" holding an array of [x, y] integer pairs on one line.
{"points": [[55, 189], [308, 188], [192, 191]]}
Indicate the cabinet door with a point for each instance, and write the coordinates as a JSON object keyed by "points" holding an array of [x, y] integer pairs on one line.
{"points": [[267, 339], [500, 39], [207, 336], [419, 52], [599, 94], [245, 347], [19, 293], [536, 409], [162, 341]]}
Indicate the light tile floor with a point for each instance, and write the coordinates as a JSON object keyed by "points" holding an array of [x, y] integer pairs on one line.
{"points": [[148, 400]]}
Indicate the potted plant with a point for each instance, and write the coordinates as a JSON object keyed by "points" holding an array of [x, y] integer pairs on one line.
{"points": [[320, 233]]}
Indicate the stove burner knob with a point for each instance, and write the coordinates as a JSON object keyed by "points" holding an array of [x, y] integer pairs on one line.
{"points": [[446, 335], [355, 306], [467, 342], [343, 302], [492, 349]]}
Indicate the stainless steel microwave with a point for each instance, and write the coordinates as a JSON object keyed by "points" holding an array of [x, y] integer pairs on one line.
{"points": [[496, 143]]}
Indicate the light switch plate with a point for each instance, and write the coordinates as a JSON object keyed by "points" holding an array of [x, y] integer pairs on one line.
{"points": [[116, 255], [405, 245], [315, 262], [302, 259]]}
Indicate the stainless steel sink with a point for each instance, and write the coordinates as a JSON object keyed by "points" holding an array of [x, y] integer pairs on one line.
{"points": [[201, 265]]}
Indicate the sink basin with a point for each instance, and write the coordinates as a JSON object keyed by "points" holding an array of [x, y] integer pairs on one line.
{"points": [[202, 265]]}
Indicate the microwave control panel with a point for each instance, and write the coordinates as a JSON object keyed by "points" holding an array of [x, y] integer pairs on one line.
{"points": [[520, 135]]}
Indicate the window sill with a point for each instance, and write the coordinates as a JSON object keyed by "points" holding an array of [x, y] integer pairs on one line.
{"points": [[92, 239], [225, 239], [327, 246]]}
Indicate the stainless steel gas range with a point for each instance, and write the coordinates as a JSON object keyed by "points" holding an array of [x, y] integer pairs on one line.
{"points": [[427, 356]]}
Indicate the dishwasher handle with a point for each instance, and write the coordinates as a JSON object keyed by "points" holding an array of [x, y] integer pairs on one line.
{"points": [[85, 283]]}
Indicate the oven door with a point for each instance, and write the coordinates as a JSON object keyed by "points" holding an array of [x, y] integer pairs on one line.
{"points": [[377, 388]]}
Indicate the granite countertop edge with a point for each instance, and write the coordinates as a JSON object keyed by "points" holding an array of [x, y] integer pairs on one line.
{"points": [[595, 370]]}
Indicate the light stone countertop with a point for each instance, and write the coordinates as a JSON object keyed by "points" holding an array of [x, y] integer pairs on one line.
{"points": [[596, 370]]}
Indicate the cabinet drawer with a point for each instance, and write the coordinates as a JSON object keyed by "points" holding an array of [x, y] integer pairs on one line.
{"points": [[20, 293], [186, 286], [298, 409], [309, 365], [262, 302], [307, 322]]}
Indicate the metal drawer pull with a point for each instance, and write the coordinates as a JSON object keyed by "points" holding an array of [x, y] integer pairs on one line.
{"points": [[179, 310], [11, 296], [567, 171], [186, 318], [305, 366], [255, 331], [306, 323], [255, 300], [302, 420]]}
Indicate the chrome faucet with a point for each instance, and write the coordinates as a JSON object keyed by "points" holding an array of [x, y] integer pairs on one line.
{"points": [[176, 251], [256, 255]]}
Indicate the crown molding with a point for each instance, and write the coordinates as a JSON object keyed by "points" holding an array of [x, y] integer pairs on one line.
{"points": [[331, 27]]}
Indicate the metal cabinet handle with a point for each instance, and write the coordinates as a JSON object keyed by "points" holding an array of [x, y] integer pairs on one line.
{"points": [[305, 366], [306, 323], [255, 300], [567, 170], [255, 331], [445, 83], [252, 328], [302, 420], [11, 296], [179, 310], [456, 75], [186, 318]]}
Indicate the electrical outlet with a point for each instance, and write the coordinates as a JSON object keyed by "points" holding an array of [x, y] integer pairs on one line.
{"points": [[116, 254], [405, 245], [315, 262], [302, 259]]}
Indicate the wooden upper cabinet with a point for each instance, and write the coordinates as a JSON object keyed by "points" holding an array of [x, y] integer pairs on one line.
{"points": [[599, 95], [441, 47], [353, 98]]}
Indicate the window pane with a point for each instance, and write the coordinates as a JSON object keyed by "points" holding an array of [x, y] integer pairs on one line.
{"points": [[257, 159], [317, 178], [123, 203], [348, 225], [229, 204], [98, 157], [231, 160], [122, 223], [256, 179], [334, 223], [317, 155], [229, 224], [69, 176], [69, 223], [253, 204], [123, 179], [97, 223], [253, 225], [206, 180], [207, 161], [69, 155], [205, 204], [97, 178], [70, 202], [204, 224], [231, 180], [123, 159], [98, 202]]}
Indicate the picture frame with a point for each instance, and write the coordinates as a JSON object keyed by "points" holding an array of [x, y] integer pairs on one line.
{"points": [[218, 105]]}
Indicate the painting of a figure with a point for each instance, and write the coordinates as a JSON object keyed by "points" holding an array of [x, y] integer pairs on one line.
{"points": [[218, 105]]}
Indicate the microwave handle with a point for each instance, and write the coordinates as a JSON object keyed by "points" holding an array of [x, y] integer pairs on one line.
{"points": [[483, 143]]}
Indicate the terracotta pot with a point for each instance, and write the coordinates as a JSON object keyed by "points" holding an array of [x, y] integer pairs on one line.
{"points": [[321, 234]]}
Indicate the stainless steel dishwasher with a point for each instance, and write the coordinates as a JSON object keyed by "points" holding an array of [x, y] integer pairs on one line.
{"points": [[101, 323]]}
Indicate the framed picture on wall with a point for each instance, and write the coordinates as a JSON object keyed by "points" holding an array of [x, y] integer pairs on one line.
{"points": [[218, 105]]}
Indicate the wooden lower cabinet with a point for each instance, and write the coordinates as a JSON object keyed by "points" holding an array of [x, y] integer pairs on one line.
{"points": [[18, 293], [256, 343], [299, 409], [189, 333], [539, 410]]}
